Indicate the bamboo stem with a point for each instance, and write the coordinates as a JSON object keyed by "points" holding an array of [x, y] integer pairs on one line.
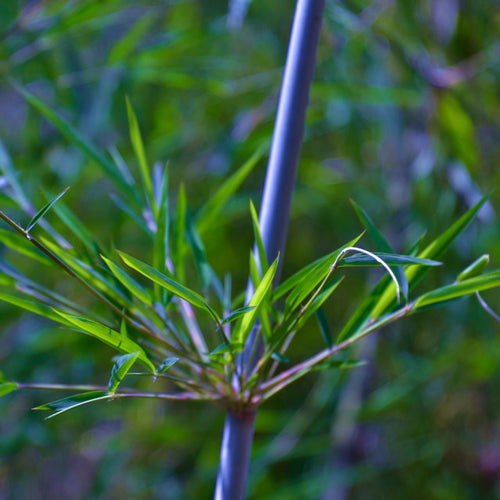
{"points": [[273, 220], [235, 456]]}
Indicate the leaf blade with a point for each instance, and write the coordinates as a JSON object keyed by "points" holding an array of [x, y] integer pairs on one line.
{"points": [[168, 283], [120, 369], [65, 404], [256, 302], [32, 223]]}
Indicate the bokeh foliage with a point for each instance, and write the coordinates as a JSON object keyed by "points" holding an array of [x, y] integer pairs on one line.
{"points": [[403, 119]]}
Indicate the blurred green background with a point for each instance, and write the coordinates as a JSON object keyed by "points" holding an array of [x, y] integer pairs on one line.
{"points": [[403, 118]]}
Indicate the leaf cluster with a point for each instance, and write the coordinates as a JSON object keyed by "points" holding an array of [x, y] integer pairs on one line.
{"points": [[199, 337]]}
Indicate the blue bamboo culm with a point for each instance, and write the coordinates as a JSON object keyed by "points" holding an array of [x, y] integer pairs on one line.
{"points": [[274, 217]]}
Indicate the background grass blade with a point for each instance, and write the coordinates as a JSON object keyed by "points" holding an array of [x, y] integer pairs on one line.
{"points": [[74, 137], [208, 214]]}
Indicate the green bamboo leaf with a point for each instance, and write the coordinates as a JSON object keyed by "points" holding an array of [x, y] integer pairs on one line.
{"points": [[166, 364], [74, 137], [128, 282], [225, 348], [120, 369], [339, 364], [476, 268], [22, 246], [255, 278], [125, 208], [6, 385], [72, 222], [317, 268], [414, 274], [198, 250], [35, 307], [381, 244], [169, 284], [318, 301], [253, 270], [179, 234], [108, 336], [378, 238], [278, 357], [87, 273], [162, 229], [256, 302], [32, 223], [34, 290], [324, 327], [391, 259], [11, 174], [261, 252], [138, 145], [209, 213], [71, 402], [459, 289], [318, 275], [237, 313]]}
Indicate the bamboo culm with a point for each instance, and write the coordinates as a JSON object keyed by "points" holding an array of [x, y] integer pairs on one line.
{"points": [[273, 218]]}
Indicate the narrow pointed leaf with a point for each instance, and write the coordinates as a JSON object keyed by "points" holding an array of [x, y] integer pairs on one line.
{"points": [[6, 385], [87, 273], [77, 228], [264, 264], [459, 289], [120, 369], [391, 259], [11, 174], [476, 268], [259, 295], [324, 328], [35, 307], [74, 137], [319, 301], [32, 223], [108, 336], [168, 283], [210, 211], [415, 274], [179, 234], [166, 364], [199, 254], [138, 145], [22, 246], [338, 364], [71, 402], [225, 348], [162, 229], [378, 238], [317, 269], [237, 313], [276, 356], [128, 282]]}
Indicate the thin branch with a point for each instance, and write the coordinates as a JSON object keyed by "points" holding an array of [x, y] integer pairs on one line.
{"points": [[276, 384]]}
